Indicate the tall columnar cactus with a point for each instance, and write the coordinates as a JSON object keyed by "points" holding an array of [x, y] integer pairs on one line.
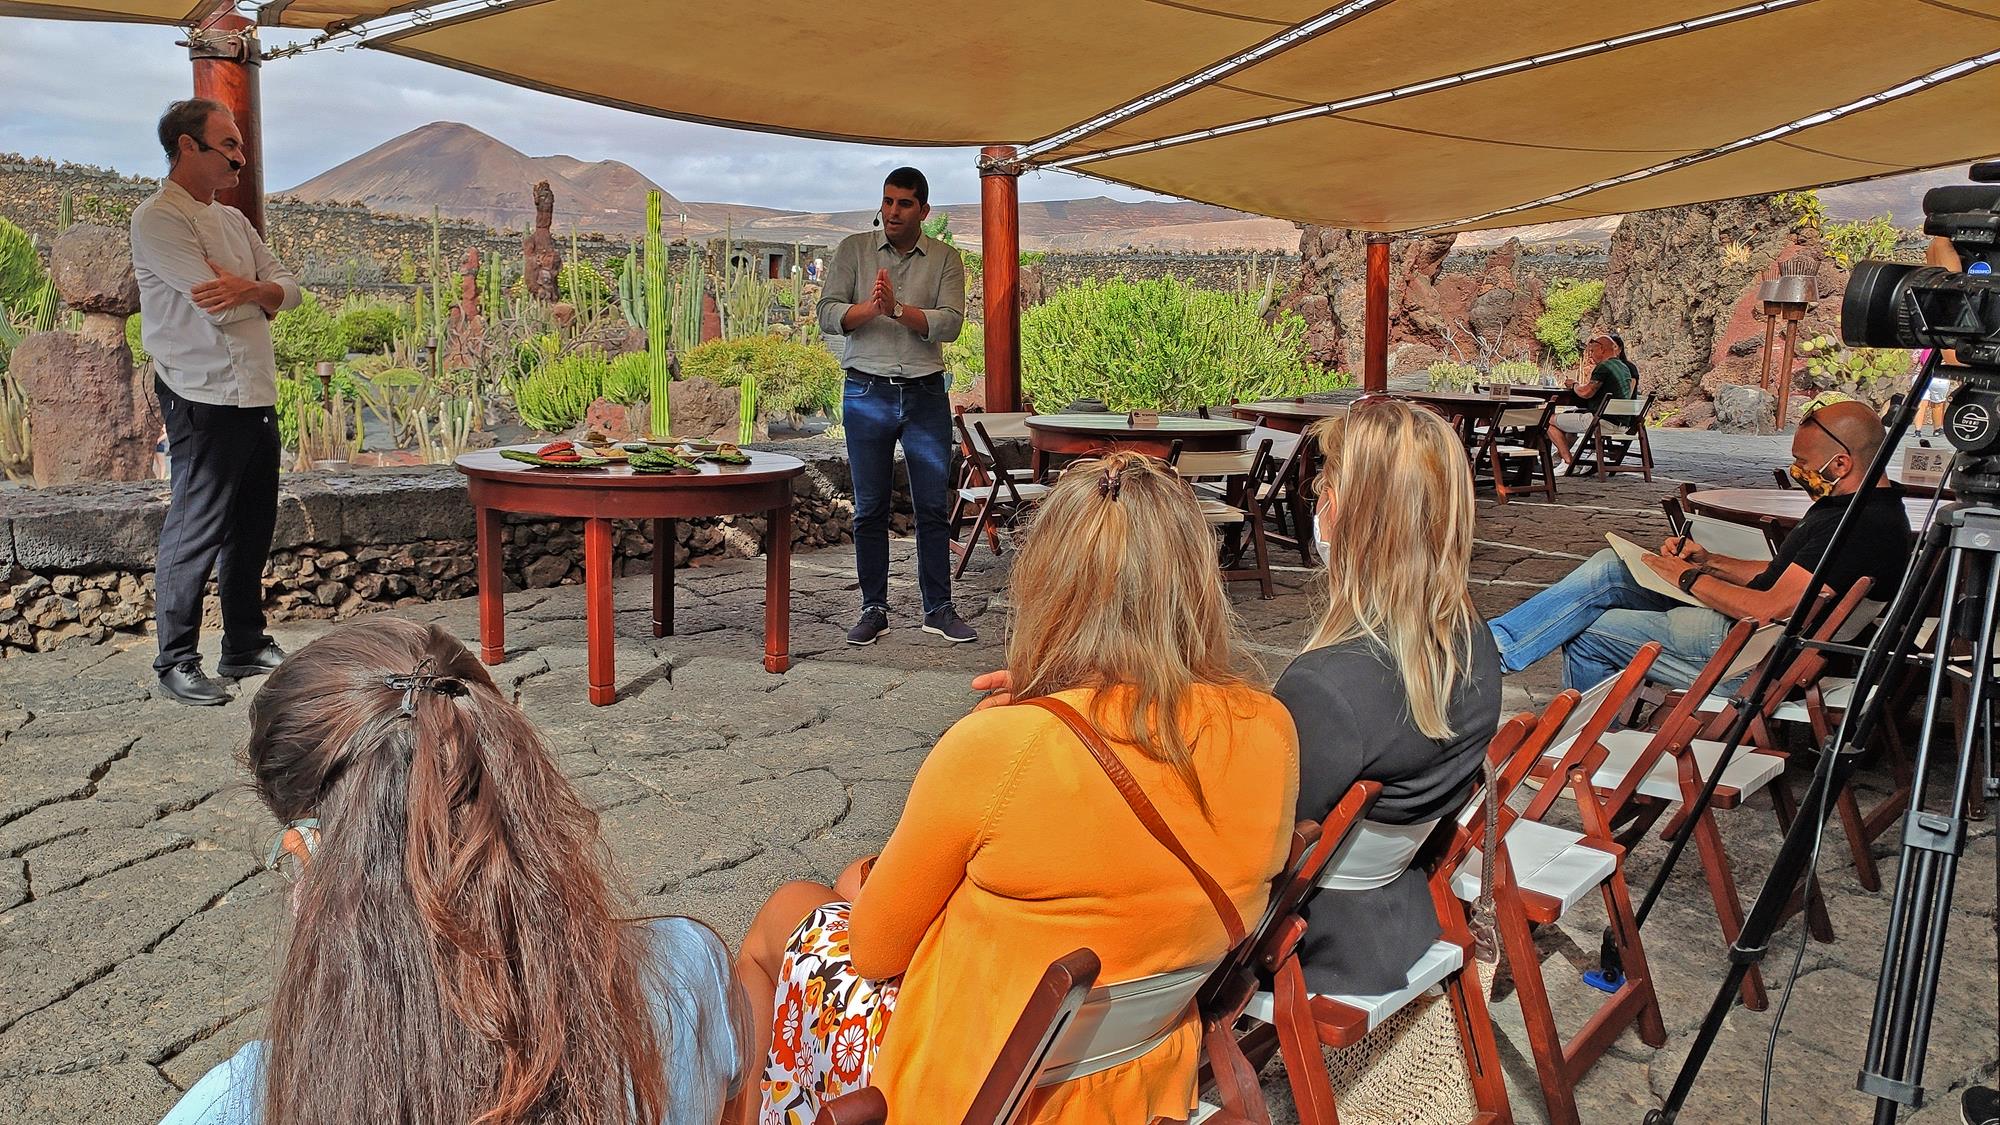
{"points": [[798, 282], [440, 300], [746, 408], [686, 327], [658, 337], [65, 212], [632, 291]]}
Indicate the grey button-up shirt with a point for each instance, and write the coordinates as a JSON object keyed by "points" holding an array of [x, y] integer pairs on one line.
{"points": [[930, 277], [224, 358]]}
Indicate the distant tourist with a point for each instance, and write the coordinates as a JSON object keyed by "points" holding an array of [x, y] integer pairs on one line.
{"points": [[458, 950], [896, 296], [208, 288], [812, 270], [1611, 375]]}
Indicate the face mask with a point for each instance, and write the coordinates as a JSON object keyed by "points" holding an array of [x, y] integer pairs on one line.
{"points": [[1815, 482], [1319, 537]]}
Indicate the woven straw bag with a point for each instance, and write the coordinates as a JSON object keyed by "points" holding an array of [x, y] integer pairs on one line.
{"points": [[1410, 1070]]}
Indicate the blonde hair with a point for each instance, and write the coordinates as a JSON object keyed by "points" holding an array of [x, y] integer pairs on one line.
{"points": [[1117, 585], [1399, 547]]}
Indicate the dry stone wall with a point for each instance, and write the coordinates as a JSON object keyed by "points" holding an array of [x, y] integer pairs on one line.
{"points": [[76, 563]]}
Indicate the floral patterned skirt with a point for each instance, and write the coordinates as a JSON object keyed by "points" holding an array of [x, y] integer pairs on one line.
{"points": [[829, 1022]]}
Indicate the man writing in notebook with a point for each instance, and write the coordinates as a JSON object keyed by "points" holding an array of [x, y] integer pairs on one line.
{"points": [[1600, 615]]}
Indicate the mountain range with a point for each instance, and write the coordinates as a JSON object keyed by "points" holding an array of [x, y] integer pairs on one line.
{"points": [[467, 174]]}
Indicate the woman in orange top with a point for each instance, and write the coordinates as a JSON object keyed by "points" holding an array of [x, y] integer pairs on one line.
{"points": [[1014, 848]]}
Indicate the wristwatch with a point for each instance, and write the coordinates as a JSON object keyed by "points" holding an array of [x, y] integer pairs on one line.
{"points": [[897, 312], [1687, 579]]}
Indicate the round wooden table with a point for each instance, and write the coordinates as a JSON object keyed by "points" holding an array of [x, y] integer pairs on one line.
{"points": [[1786, 506], [598, 496], [1077, 434], [1294, 417]]}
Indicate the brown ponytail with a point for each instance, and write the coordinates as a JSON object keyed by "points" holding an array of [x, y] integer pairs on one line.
{"points": [[456, 956]]}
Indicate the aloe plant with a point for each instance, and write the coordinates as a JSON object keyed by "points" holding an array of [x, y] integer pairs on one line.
{"points": [[658, 335]]}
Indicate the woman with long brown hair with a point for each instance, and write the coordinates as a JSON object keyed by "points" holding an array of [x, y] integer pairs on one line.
{"points": [[457, 953], [1014, 847], [1400, 680]]}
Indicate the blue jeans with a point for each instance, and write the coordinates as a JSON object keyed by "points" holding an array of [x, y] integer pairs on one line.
{"points": [[1601, 616], [876, 413]]}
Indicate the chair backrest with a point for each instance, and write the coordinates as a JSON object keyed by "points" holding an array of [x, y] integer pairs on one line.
{"points": [[1827, 619], [976, 449], [1375, 854], [1524, 417], [1677, 728], [1005, 425], [1724, 537], [1284, 443], [1045, 1021], [1594, 713], [1120, 1022], [1624, 415], [1228, 463]]}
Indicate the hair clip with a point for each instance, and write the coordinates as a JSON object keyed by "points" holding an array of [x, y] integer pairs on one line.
{"points": [[308, 830], [1109, 484], [420, 680]]}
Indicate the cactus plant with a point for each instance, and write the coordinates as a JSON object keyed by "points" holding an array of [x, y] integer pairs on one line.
{"points": [[657, 329], [746, 410]]}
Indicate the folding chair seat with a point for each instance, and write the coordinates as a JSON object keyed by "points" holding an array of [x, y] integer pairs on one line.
{"points": [[1230, 504], [1518, 442], [990, 495]]}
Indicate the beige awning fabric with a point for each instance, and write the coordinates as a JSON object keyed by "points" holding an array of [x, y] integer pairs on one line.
{"points": [[1390, 115]]}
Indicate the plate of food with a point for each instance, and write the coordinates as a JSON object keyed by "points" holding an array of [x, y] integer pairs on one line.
{"points": [[555, 455], [663, 461]]}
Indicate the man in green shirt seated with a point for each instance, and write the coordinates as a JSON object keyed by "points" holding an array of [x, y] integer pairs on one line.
{"points": [[1610, 378]]}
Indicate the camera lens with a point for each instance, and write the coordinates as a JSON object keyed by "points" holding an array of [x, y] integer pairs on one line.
{"points": [[1871, 309]]}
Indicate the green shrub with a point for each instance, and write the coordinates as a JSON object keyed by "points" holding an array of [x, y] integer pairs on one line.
{"points": [[629, 379], [134, 338], [792, 378], [1804, 208], [1162, 345], [1848, 243], [295, 391], [1568, 301], [306, 334], [1514, 372], [369, 328], [21, 273], [585, 286], [1831, 363], [965, 357], [558, 394], [1447, 376]]}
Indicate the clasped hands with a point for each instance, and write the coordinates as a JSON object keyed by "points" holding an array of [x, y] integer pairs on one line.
{"points": [[882, 302]]}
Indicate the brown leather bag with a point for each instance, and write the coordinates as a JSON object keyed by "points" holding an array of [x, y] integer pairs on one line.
{"points": [[1220, 1006]]}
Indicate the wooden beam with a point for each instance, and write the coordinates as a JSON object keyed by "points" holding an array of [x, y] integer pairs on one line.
{"points": [[1375, 319], [226, 62], [1000, 255]]}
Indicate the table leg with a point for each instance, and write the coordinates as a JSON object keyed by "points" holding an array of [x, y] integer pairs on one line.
{"points": [[663, 578], [778, 588], [598, 618], [492, 575], [1302, 510], [1040, 464]]}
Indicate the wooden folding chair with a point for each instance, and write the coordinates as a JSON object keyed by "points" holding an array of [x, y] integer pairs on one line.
{"points": [[990, 494], [1618, 427], [1518, 442], [1372, 856], [1285, 489], [1545, 870], [1237, 474]]}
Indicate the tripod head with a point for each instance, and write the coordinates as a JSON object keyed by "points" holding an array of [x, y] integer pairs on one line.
{"points": [[1972, 425]]}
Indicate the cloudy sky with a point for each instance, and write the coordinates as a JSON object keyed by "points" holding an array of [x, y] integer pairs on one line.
{"points": [[91, 92]]}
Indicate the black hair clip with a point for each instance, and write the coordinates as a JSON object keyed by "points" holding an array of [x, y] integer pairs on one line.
{"points": [[420, 680], [1109, 484]]}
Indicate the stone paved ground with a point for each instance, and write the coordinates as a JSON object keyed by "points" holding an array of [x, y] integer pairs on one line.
{"points": [[137, 933]]}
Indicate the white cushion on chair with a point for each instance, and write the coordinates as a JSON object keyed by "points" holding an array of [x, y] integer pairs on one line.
{"points": [[1748, 772], [1438, 962], [1547, 860], [1837, 692], [1024, 491]]}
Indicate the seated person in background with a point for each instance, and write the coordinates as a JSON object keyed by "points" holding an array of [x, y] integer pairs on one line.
{"points": [[1611, 376], [1400, 683], [1601, 615], [457, 953], [1014, 848]]}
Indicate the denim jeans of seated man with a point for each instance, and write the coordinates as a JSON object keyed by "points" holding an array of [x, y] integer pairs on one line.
{"points": [[1600, 616], [876, 414]]}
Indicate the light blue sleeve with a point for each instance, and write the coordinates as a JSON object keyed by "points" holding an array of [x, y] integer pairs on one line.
{"points": [[698, 1007], [229, 1094]]}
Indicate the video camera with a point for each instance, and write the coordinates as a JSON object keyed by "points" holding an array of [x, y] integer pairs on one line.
{"points": [[1890, 305]]}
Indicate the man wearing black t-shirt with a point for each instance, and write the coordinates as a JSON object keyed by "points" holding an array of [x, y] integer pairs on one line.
{"points": [[1600, 615]]}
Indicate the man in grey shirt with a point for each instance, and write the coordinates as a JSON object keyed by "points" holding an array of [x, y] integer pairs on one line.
{"points": [[208, 287], [896, 297]]}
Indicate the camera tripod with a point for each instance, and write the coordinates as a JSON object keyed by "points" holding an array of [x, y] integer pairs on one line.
{"points": [[1959, 556]]}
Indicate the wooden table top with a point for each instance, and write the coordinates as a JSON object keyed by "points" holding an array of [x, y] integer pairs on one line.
{"points": [[1285, 410], [487, 464], [1787, 506], [1105, 424], [1461, 399]]}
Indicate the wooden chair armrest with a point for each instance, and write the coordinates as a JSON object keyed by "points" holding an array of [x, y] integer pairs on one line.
{"points": [[865, 1106]]}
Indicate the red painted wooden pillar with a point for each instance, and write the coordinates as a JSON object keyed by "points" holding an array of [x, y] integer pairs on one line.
{"points": [[1375, 319], [226, 60], [1000, 252]]}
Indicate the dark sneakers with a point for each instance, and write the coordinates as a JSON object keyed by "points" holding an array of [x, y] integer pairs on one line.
{"points": [[1980, 1106], [947, 624], [258, 663], [187, 683], [874, 622]]}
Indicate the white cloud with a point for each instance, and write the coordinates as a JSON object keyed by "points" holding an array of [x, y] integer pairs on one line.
{"points": [[91, 92]]}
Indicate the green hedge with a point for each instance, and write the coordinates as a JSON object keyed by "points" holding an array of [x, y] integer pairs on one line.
{"points": [[305, 334], [1567, 303], [370, 327], [1162, 345], [792, 378]]}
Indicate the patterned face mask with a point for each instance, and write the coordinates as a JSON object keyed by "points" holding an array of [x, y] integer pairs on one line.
{"points": [[1815, 482]]}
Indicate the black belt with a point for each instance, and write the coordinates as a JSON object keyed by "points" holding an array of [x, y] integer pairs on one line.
{"points": [[859, 374]]}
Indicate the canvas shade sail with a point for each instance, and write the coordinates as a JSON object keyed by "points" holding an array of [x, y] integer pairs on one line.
{"points": [[1373, 114]]}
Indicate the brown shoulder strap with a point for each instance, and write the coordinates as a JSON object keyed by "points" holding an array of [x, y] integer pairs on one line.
{"points": [[1128, 788]]}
